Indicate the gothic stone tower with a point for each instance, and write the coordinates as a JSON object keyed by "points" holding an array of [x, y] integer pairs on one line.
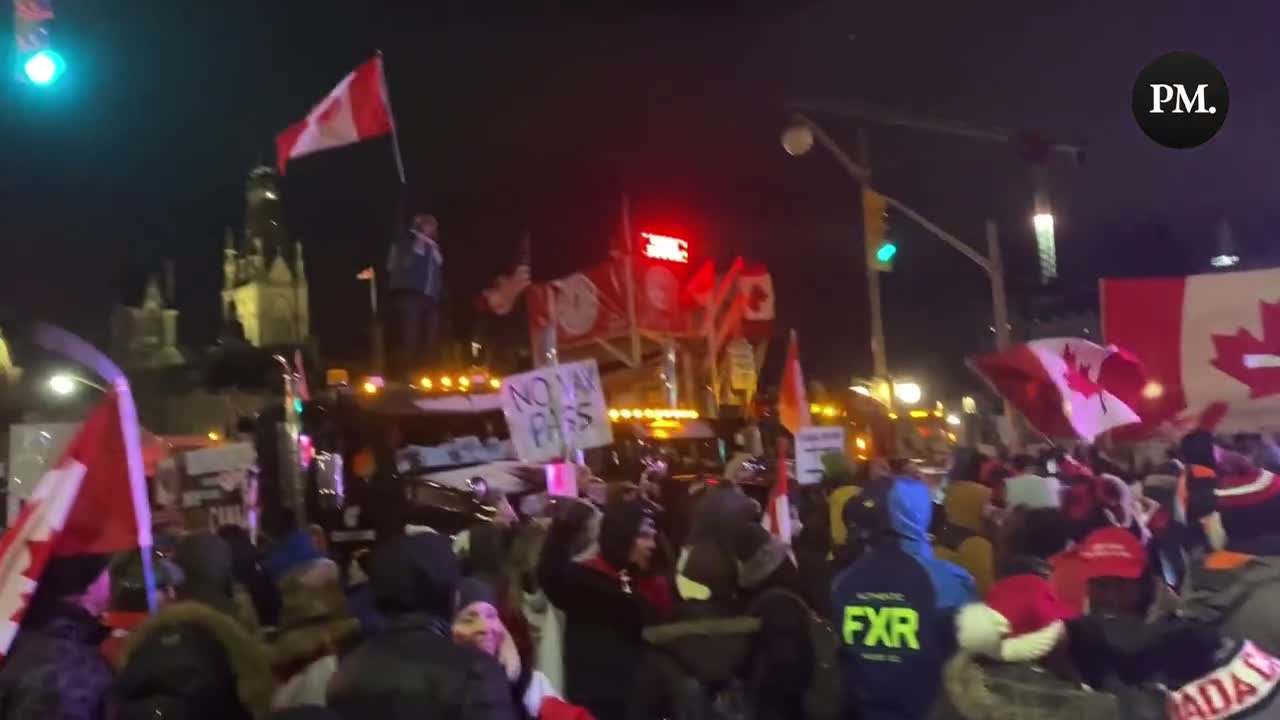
{"points": [[264, 291]]}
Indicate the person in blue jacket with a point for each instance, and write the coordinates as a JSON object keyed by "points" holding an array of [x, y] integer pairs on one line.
{"points": [[894, 607]]}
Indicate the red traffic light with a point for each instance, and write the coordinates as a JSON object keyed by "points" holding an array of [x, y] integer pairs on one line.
{"points": [[665, 247]]}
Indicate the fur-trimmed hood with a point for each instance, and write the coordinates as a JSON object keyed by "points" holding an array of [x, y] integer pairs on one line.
{"points": [[981, 690], [187, 653]]}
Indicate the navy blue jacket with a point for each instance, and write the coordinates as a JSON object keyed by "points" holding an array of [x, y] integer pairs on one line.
{"points": [[894, 612]]}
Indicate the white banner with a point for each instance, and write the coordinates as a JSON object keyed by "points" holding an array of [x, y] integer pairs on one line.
{"points": [[812, 443], [532, 401]]}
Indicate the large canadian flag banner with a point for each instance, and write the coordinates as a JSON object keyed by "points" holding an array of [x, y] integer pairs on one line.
{"points": [[1207, 342]]}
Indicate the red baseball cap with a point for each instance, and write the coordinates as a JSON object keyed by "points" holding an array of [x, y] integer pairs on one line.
{"points": [[1112, 552]]}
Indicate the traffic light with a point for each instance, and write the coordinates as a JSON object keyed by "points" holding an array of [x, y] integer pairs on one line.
{"points": [[880, 251], [39, 63]]}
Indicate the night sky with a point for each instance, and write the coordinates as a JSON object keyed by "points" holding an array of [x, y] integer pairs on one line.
{"points": [[542, 118]]}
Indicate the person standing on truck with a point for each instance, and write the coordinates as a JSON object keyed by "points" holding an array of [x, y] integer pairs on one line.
{"points": [[416, 268]]}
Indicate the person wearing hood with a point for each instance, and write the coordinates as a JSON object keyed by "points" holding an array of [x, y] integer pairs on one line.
{"points": [[191, 662], [607, 599], [963, 537], [895, 605], [315, 629], [700, 660], [1235, 582], [477, 624], [54, 668], [1162, 665], [793, 670], [206, 563], [412, 669]]}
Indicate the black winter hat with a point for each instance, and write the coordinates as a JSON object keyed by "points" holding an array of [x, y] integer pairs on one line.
{"points": [[759, 554], [474, 590], [415, 573], [622, 522]]}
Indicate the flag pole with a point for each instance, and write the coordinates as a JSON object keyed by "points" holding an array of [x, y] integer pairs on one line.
{"points": [[629, 278], [395, 136], [58, 340]]}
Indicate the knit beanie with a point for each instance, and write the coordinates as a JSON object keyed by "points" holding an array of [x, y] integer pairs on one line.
{"points": [[474, 590], [618, 530], [1197, 448], [1249, 505], [1021, 621]]}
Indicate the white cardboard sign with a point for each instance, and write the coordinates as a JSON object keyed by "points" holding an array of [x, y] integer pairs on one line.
{"points": [[544, 407], [812, 443]]}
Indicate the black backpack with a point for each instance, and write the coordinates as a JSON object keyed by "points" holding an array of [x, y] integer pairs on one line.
{"points": [[824, 698]]}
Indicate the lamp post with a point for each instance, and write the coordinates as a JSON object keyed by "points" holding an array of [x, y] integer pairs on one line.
{"points": [[799, 138]]}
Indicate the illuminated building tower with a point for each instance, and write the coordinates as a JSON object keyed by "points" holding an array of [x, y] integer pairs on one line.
{"points": [[264, 291], [146, 335]]}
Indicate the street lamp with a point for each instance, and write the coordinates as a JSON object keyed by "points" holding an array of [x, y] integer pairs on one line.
{"points": [[908, 392], [64, 384]]}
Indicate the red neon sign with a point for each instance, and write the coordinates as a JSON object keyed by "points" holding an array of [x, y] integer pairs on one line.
{"points": [[665, 247]]}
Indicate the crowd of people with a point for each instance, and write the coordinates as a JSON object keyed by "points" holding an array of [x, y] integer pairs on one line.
{"points": [[1015, 588]]}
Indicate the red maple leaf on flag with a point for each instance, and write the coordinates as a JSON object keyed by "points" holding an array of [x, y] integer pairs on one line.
{"points": [[757, 298], [1077, 375], [1253, 361]]}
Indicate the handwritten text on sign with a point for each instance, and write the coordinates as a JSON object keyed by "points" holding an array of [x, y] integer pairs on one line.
{"points": [[812, 443], [532, 401]]}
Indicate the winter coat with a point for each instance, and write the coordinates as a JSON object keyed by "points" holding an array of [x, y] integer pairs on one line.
{"points": [[712, 651], [413, 670], [206, 562], [314, 627], [783, 662], [1240, 594], [898, 583], [191, 662], [605, 612], [977, 689], [54, 669], [961, 539]]}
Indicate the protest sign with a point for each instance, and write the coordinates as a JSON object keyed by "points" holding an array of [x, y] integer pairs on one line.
{"points": [[552, 408], [812, 443]]}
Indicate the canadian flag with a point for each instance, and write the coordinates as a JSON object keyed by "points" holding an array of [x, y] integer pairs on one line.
{"points": [[756, 284], [1066, 386], [92, 502], [1210, 345], [356, 110], [777, 516], [793, 402]]}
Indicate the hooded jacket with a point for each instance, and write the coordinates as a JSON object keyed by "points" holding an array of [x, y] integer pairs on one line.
{"points": [[893, 610], [1240, 594], [713, 651], [412, 669], [605, 605], [961, 539], [206, 563], [54, 669], [191, 662]]}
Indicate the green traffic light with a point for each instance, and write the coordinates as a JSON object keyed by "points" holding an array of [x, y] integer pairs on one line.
{"points": [[886, 252], [44, 67], [297, 405]]}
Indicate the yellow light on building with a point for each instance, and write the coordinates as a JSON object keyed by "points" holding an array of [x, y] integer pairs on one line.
{"points": [[953, 419], [369, 388], [893, 416], [446, 381], [613, 414], [626, 414], [661, 434], [919, 414], [426, 383], [860, 443], [830, 411], [214, 436], [969, 405], [495, 383], [815, 409], [464, 382]]}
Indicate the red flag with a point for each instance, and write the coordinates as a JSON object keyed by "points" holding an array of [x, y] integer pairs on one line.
{"points": [[700, 285], [93, 501], [356, 110], [756, 283], [1066, 386], [777, 516], [793, 403]]}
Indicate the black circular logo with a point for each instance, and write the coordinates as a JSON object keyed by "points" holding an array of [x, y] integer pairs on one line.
{"points": [[1180, 100]]}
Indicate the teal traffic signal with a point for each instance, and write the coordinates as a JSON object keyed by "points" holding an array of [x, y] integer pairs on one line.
{"points": [[44, 67], [886, 252]]}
